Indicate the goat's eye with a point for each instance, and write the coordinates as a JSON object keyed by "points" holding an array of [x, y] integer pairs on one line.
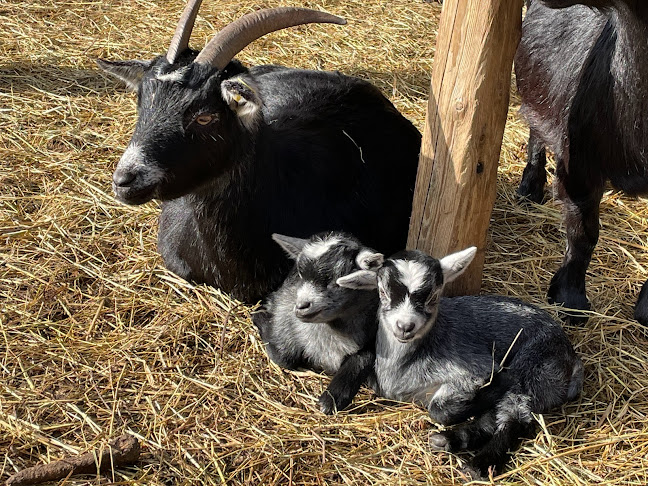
{"points": [[204, 119]]}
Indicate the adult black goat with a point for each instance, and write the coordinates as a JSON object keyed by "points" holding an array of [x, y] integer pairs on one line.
{"points": [[237, 154], [582, 72]]}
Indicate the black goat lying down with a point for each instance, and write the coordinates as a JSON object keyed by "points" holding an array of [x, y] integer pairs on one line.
{"points": [[312, 322], [237, 154], [582, 72], [493, 358]]}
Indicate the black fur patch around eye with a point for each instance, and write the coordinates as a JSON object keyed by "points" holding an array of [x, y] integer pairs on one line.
{"points": [[396, 289], [337, 262]]}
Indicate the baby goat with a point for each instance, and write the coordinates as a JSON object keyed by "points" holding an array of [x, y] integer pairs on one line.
{"points": [[312, 322], [493, 358]]}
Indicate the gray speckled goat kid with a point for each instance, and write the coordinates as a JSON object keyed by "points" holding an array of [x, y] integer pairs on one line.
{"points": [[493, 358]]}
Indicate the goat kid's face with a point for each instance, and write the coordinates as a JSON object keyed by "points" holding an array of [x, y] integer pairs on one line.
{"points": [[189, 117], [410, 285], [319, 263]]}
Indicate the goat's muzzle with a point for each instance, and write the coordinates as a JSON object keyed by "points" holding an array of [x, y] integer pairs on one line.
{"points": [[134, 181]]}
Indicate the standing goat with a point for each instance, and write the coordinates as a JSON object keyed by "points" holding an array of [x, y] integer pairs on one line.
{"points": [[312, 322], [496, 359], [582, 72], [237, 154]]}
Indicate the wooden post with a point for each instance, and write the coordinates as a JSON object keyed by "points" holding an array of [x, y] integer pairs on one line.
{"points": [[469, 95]]}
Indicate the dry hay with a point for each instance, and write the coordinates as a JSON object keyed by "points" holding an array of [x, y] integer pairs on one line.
{"points": [[96, 338]]}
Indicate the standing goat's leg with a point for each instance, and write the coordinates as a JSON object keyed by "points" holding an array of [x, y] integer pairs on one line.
{"points": [[581, 199], [641, 308], [534, 177]]}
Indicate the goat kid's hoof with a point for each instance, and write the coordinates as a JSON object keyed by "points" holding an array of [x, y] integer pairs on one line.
{"points": [[473, 473], [438, 442], [327, 403]]}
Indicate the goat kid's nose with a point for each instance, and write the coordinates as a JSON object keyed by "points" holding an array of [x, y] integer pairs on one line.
{"points": [[124, 178], [303, 304], [405, 326]]}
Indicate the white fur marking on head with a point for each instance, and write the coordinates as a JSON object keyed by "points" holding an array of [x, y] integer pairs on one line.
{"points": [[412, 274], [316, 249], [307, 292], [405, 311], [173, 76]]}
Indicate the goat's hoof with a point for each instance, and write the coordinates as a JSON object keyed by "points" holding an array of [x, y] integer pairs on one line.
{"points": [[327, 403], [527, 195], [438, 441], [641, 308], [572, 300]]}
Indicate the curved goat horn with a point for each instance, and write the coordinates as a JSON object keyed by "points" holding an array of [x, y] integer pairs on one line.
{"points": [[236, 36], [180, 39]]}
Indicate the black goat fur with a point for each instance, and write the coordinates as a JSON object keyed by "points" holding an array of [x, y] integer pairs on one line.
{"points": [[324, 151], [582, 72]]}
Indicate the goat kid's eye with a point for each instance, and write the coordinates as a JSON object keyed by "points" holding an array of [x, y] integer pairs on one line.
{"points": [[204, 119]]}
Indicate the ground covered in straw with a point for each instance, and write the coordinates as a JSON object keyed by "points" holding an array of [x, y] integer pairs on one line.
{"points": [[97, 339]]}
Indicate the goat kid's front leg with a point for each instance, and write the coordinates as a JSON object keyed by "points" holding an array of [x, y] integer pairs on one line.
{"points": [[581, 201], [452, 405], [534, 176], [354, 371], [466, 436]]}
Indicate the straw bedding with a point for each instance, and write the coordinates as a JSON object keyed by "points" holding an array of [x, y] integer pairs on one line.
{"points": [[98, 339]]}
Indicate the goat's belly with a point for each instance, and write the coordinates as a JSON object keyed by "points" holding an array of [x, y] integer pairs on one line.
{"points": [[633, 182]]}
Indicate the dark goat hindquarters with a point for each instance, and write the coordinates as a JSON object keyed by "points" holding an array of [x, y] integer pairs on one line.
{"points": [[582, 73]]}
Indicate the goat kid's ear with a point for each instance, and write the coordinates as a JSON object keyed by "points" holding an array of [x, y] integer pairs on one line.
{"points": [[455, 264], [242, 99], [130, 72], [292, 246], [369, 260], [360, 280]]}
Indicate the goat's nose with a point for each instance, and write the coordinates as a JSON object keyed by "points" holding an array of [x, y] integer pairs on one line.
{"points": [[303, 304], [123, 178], [406, 326]]}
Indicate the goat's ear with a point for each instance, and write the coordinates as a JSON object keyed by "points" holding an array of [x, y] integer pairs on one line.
{"points": [[369, 260], [241, 96], [130, 72], [360, 280], [455, 264], [292, 246]]}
